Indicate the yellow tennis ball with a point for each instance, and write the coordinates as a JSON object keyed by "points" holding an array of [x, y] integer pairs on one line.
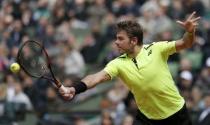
{"points": [[15, 67]]}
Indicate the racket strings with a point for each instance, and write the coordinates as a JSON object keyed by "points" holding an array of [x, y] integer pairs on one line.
{"points": [[33, 59]]}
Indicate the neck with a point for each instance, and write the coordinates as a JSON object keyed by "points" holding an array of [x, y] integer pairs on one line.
{"points": [[135, 52]]}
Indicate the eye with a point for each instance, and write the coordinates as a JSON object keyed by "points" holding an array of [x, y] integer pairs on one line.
{"points": [[120, 38]]}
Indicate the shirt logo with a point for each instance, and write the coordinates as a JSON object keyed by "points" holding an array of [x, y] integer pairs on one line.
{"points": [[146, 48], [150, 52]]}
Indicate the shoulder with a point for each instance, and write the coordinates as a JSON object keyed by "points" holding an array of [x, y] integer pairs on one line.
{"points": [[155, 43], [163, 42], [158, 44], [147, 46], [118, 60]]}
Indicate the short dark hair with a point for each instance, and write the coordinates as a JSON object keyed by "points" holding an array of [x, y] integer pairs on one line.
{"points": [[132, 28]]}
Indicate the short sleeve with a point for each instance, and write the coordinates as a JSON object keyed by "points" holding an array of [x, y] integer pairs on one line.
{"points": [[166, 48], [111, 69]]}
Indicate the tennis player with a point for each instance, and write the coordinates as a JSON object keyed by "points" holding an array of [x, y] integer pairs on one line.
{"points": [[144, 69]]}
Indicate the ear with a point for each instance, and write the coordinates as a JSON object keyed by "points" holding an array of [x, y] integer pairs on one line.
{"points": [[134, 40]]}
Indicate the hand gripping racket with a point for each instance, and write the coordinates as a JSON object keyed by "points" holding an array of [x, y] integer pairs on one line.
{"points": [[34, 60]]}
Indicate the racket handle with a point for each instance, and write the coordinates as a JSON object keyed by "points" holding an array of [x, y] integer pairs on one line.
{"points": [[58, 84]]}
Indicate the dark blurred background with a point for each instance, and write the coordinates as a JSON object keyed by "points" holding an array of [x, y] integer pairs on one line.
{"points": [[79, 35]]}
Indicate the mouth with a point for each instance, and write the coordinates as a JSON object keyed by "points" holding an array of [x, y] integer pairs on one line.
{"points": [[118, 47], [120, 50]]}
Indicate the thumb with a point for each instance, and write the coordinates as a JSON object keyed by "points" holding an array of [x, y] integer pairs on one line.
{"points": [[63, 90]]}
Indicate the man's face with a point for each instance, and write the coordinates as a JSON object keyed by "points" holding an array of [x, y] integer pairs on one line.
{"points": [[124, 43]]}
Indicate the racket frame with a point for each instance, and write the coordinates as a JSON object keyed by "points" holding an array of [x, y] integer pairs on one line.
{"points": [[52, 79]]}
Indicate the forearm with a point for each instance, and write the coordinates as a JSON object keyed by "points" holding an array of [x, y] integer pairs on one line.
{"points": [[188, 39], [90, 81]]}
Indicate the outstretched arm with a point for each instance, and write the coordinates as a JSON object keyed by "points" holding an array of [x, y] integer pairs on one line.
{"points": [[86, 83], [94, 79], [188, 38]]}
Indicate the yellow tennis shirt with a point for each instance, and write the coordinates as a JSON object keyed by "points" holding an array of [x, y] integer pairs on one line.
{"points": [[150, 81]]}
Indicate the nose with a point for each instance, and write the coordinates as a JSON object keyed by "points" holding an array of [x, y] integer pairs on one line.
{"points": [[116, 42]]}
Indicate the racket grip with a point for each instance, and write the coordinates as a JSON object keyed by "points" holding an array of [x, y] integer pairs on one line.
{"points": [[58, 84]]}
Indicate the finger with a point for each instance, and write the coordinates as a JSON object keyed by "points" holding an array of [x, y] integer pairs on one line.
{"points": [[62, 93], [191, 15], [180, 22], [71, 96], [66, 98], [196, 24], [196, 19]]}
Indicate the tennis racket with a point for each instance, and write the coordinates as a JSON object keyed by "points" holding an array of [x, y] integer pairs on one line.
{"points": [[34, 60]]}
